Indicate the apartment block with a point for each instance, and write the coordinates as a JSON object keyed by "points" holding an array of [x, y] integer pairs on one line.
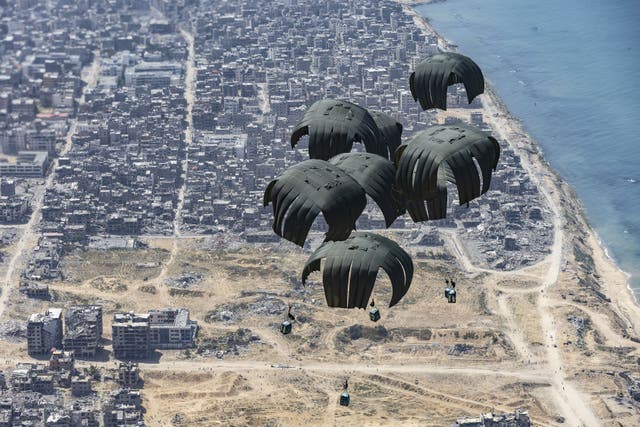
{"points": [[83, 330], [44, 331], [130, 335]]}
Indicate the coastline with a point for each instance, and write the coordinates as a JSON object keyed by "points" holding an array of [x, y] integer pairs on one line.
{"points": [[577, 278], [541, 333], [530, 149], [412, 3]]}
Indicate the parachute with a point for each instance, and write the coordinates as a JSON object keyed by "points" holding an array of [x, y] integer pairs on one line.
{"points": [[311, 187], [429, 81], [334, 125], [336, 181], [376, 176], [390, 130], [351, 267], [439, 154]]}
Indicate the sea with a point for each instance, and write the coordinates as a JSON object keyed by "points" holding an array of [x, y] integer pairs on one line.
{"points": [[570, 71]]}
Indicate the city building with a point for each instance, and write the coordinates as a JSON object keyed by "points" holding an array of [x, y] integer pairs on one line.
{"points": [[80, 385], [14, 209], [130, 335], [62, 361], [134, 335], [129, 375], [83, 330], [44, 331], [517, 419], [171, 328], [29, 164]]}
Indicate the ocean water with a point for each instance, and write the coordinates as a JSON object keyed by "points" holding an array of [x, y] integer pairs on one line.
{"points": [[570, 70]]}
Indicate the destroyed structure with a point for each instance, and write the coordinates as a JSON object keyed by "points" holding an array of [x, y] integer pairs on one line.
{"points": [[135, 335], [123, 408], [28, 164], [130, 335], [32, 396], [44, 331], [129, 375], [125, 131], [517, 419], [83, 330]]}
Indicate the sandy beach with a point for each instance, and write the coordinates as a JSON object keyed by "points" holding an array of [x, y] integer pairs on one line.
{"points": [[569, 220], [510, 129]]}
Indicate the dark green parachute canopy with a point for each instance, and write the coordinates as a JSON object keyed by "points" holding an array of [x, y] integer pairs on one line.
{"points": [[376, 176], [311, 187], [439, 154], [429, 81], [351, 267], [390, 130], [334, 125]]}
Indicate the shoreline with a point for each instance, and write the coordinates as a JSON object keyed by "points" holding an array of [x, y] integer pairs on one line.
{"points": [[533, 153], [412, 3], [615, 263]]}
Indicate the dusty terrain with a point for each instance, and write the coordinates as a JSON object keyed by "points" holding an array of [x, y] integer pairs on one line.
{"points": [[557, 338], [553, 338], [540, 339]]}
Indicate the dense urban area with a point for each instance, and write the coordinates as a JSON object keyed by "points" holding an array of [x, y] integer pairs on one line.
{"points": [[127, 119]]}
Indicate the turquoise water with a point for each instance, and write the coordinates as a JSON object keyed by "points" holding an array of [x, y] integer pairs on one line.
{"points": [[570, 70]]}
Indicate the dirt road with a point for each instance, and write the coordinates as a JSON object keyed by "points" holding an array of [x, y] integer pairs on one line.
{"points": [[29, 237]]}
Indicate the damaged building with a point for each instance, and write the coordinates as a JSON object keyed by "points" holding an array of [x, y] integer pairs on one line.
{"points": [[44, 331], [83, 330], [134, 335]]}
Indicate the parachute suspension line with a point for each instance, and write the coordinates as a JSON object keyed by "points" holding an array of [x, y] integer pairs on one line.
{"points": [[480, 174], [349, 286], [323, 264], [288, 214], [414, 172], [404, 272], [323, 220]]}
